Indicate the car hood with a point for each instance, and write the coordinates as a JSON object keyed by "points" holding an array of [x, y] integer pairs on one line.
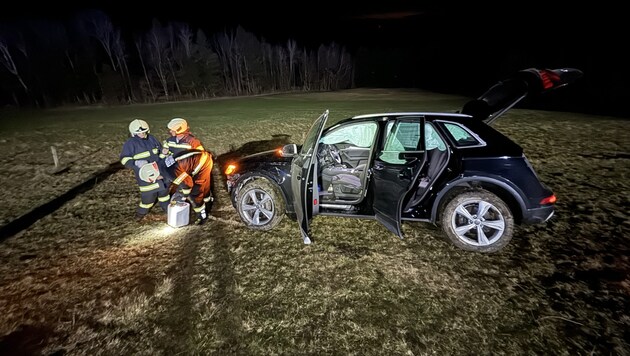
{"points": [[264, 156], [502, 96]]}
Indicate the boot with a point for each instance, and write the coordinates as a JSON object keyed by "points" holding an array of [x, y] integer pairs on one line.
{"points": [[201, 218]]}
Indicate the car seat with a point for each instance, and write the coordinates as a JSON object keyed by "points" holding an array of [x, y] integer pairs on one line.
{"points": [[344, 183]]}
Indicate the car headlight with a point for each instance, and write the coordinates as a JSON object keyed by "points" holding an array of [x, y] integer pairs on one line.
{"points": [[231, 168]]}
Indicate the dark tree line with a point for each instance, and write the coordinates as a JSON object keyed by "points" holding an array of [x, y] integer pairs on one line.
{"points": [[89, 60]]}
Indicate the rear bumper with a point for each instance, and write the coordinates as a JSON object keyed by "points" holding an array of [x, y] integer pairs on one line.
{"points": [[538, 215]]}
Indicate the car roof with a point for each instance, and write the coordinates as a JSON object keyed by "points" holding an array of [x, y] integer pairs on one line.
{"points": [[411, 113]]}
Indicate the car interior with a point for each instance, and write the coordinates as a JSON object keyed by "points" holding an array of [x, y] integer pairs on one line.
{"points": [[343, 157]]}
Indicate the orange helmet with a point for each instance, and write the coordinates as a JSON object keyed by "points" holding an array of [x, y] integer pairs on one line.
{"points": [[178, 125]]}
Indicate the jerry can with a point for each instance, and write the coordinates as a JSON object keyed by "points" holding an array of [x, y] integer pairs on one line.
{"points": [[178, 214]]}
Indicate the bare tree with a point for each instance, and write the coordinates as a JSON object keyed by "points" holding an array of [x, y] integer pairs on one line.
{"points": [[149, 85], [121, 59], [334, 66], [308, 70], [185, 36], [9, 64], [291, 48], [100, 27], [224, 45], [175, 55], [157, 49]]}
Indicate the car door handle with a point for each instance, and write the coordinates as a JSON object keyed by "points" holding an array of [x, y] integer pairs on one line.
{"points": [[379, 167]]}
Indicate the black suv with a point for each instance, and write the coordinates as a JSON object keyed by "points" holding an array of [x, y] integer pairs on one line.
{"points": [[451, 169]]}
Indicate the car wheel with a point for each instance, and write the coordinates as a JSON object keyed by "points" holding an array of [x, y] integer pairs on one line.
{"points": [[260, 205], [478, 221]]}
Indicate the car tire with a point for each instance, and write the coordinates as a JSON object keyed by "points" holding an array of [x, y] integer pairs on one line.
{"points": [[260, 204], [489, 233]]}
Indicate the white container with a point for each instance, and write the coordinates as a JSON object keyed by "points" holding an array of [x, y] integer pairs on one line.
{"points": [[178, 214]]}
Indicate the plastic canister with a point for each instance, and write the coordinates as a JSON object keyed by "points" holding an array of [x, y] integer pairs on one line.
{"points": [[178, 214]]}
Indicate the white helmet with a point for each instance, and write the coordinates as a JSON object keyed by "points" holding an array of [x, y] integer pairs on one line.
{"points": [[138, 126], [149, 172], [178, 125]]}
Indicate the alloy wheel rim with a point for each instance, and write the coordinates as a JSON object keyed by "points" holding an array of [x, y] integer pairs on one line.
{"points": [[478, 223], [258, 207]]}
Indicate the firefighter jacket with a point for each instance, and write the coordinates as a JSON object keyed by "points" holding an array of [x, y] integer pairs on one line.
{"points": [[135, 150], [191, 174], [185, 143]]}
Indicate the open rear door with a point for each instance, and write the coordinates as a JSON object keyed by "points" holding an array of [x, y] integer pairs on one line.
{"points": [[396, 169], [302, 176]]}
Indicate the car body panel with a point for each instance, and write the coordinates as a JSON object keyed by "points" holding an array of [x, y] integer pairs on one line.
{"points": [[343, 171]]}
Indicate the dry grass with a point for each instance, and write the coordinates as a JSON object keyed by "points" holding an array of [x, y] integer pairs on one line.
{"points": [[86, 280]]}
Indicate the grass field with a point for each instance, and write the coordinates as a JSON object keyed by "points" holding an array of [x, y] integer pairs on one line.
{"points": [[86, 279]]}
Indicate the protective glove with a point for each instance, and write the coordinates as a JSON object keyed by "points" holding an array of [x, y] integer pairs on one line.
{"points": [[140, 162], [178, 198]]}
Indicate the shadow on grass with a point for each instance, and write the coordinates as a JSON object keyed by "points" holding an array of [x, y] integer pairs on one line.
{"points": [[47, 208]]}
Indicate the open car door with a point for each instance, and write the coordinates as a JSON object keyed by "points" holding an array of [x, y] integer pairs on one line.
{"points": [[502, 96], [302, 176], [396, 169]]}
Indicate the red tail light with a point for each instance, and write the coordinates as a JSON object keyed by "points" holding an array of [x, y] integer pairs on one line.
{"points": [[549, 200], [549, 79]]}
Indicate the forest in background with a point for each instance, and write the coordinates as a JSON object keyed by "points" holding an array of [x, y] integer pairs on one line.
{"points": [[54, 55], [88, 60]]}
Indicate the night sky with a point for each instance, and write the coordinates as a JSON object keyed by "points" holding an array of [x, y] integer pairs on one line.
{"points": [[451, 47]]}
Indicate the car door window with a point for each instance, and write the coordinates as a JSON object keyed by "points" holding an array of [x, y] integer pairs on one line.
{"points": [[401, 136], [433, 140], [463, 137]]}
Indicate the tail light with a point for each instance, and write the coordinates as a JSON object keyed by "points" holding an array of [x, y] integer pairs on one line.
{"points": [[549, 200]]}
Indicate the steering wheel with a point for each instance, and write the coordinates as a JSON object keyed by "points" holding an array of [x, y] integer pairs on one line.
{"points": [[334, 154]]}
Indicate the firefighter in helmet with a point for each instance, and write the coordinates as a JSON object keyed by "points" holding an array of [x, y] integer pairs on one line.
{"points": [[142, 148], [190, 172], [180, 140]]}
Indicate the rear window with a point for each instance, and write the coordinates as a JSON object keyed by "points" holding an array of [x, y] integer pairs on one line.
{"points": [[461, 136]]}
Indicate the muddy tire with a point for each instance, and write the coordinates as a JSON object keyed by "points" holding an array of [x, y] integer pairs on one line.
{"points": [[260, 205], [478, 221]]}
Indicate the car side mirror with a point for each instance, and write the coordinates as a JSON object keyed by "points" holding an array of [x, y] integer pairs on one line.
{"points": [[289, 150]]}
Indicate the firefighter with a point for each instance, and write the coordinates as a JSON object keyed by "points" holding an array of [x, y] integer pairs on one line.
{"points": [[180, 140], [142, 148], [190, 173]]}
